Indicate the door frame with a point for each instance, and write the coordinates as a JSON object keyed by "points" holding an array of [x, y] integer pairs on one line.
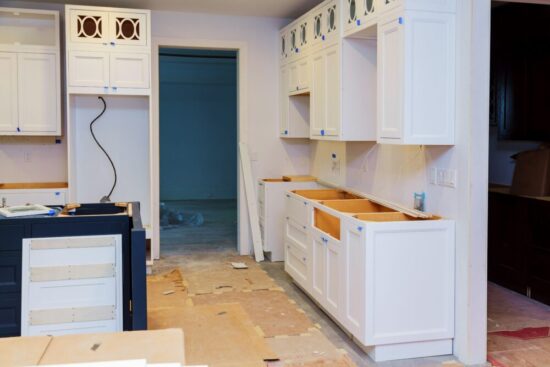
{"points": [[243, 227]]}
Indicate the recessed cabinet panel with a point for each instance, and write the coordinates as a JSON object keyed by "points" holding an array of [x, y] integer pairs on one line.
{"points": [[128, 28], [318, 94], [88, 69], [89, 26], [37, 78], [318, 266], [129, 70], [333, 277], [8, 92], [331, 22], [283, 101], [333, 91], [391, 37]]}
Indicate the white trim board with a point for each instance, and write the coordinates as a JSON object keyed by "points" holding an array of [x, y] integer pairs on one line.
{"points": [[243, 233]]}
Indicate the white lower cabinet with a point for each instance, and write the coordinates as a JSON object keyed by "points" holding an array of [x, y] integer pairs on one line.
{"points": [[33, 196], [386, 277]]}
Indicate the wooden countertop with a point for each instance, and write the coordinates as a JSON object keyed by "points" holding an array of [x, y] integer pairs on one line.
{"points": [[33, 185], [502, 189]]}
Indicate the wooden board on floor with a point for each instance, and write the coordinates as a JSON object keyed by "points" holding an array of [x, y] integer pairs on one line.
{"points": [[228, 280], [272, 311], [21, 352], [310, 347], [216, 335], [252, 202], [162, 346]]}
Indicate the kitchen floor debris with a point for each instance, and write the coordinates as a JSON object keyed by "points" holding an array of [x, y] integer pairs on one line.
{"points": [[250, 316]]}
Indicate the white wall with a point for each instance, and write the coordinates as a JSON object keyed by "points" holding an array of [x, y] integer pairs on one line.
{"points": [[501, 166]]}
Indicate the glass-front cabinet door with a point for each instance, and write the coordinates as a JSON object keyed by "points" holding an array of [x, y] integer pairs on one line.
{"points": [[89, 26], [128, 28]]}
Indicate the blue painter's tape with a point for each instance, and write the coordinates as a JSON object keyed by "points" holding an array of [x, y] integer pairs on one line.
{"points": [[323, 37], [57, 193], [323, 132], [358, 21], [400, 20]]}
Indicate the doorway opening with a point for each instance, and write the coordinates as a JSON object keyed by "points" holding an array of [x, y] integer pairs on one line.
{"points": [[198, 134], [519, 192]]}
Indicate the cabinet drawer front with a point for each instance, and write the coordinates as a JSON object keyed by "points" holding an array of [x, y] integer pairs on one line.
{"points": [[106, 326], [297, 233], [73, 256], [72, 293], [10, 272], [39, 197], [88, 69], [297, 209], [296, 263]]}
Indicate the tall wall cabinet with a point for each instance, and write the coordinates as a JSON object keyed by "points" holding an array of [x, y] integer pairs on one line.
{"points": [[380, 70], [108, 55], [30, 91]]}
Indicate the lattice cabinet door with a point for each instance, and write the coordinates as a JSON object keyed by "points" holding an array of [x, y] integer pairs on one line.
{"points": [[128, 28], [89, 26]]}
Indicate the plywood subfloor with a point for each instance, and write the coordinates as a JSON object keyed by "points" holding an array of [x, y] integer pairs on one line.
{"points": [[272, 311], [309, 347], [226, 280]]}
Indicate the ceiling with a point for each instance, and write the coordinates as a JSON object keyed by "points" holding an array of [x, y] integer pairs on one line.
{"points": [[262, 8]]}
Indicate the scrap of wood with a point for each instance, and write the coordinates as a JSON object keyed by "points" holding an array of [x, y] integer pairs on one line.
{"points": [[160, 346], [239, 265], [216, 335], [252, 202]]}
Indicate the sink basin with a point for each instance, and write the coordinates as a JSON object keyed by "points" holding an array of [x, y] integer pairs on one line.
{"points": [[94, 209], [326, 194], [356, 206]]}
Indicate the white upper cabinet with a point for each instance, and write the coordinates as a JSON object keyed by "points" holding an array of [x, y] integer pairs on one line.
{"points": [[30, 72], [8, 93], [416, 78], [38, 112], [446, 6], [360, 15], [285, 48], [109, 50], [332, 21]]}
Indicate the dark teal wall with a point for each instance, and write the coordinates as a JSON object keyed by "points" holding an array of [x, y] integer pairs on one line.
{"points": [[198, 126]]}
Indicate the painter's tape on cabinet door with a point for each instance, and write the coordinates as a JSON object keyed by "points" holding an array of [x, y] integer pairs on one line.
{"points": [[52, 273], [72, 242], [70, 315]]}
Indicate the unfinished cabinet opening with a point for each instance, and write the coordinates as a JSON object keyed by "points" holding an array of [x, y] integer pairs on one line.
{"points": [[326, 194], [28, 28], [389, 217], [327, 223], [356, 206]]}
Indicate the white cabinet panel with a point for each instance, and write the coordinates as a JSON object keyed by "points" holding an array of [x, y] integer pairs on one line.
{"points": [[318, 94], [391, 36], [44, 197], [333, 91], [8, 92], [296, 264], [88, 69], [284, 101], [318, 258], [303, 73], [129, 70], [89, 26], [354, 279], [293, 83], [334, 273], [38, 79]]}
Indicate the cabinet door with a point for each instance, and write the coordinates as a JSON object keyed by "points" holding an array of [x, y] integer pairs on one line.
{"points": [[89, 26], [334, 268], [38, 93], [8, 92], [293, 83], [352, 14], [129, 70], [318, 94], [390, 79], [318, 28], [283, 101], [284, 46], [303, 73], [128, 28], [353, 280], [88, 69], [333, 91], [331, 22], [318, 259]]}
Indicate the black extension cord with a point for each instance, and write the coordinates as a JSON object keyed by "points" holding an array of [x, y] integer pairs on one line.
{"points": [[106, 198]]}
